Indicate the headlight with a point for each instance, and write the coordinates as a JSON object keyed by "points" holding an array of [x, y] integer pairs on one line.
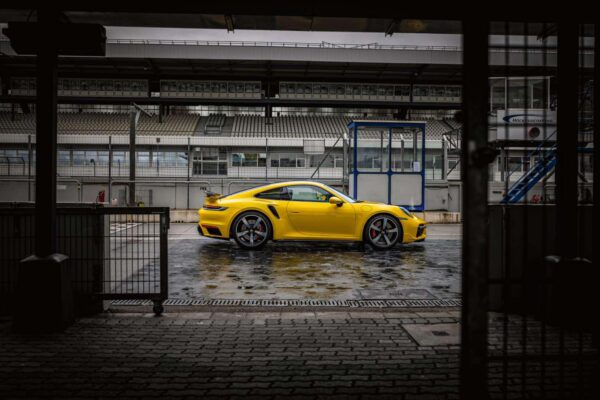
{"points": [[406, 212]]}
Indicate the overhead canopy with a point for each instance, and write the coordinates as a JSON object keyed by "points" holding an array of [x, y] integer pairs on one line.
{"points": [[305, 15]]}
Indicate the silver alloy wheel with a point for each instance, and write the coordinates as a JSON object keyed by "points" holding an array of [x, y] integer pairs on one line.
{"points": [[383, 231], [252, 230]]}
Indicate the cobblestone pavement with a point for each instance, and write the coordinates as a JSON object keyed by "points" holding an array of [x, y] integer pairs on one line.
{"points": [[338, 354], [215, 269], [260, 355]]}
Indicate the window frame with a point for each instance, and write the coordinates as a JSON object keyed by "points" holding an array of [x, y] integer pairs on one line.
{"points": [[316, 188]]}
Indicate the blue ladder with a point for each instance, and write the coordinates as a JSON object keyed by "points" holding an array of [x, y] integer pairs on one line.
{"points": [[541, 168]]}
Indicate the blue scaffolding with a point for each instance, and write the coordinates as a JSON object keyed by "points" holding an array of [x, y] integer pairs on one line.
{"points": [[401, 185]]}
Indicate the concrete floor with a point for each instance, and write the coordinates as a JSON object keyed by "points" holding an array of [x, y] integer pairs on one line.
{"points": [[201, 268]]}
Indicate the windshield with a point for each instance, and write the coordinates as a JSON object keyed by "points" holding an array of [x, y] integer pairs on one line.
{"points": [[340, 195]]}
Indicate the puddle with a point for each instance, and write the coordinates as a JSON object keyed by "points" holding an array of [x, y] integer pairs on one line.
{"points": [[206, 269]]}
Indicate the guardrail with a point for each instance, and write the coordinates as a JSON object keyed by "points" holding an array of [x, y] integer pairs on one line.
{"points": [[317, 45], [329, 45], [115, 253]]}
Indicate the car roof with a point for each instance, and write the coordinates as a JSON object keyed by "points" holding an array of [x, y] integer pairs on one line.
{"points": [[275, 185], [290, 183]]}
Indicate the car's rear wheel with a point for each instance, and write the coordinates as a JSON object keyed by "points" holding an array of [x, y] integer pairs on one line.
{"points": [[251, 230], [383, 232]]}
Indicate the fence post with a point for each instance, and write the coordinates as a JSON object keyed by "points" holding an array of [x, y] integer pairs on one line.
{"points": [[30, 154], [189, 151], [596, 139], [110, 159], [566, 137], [473, 360]]}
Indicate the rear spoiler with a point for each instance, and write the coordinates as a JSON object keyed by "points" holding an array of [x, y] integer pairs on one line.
{"points": [[212, 195]]}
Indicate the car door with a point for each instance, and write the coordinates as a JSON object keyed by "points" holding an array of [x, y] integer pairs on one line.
{"points": [[311, 214]]}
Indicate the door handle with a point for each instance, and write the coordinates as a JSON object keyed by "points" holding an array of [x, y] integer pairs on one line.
{"points": [[294, 212]]}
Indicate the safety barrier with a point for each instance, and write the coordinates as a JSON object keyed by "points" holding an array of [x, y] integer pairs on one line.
{"points": [[114, 252]]}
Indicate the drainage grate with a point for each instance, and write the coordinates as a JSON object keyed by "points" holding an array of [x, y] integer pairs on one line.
{"points": [[131, 302], [392, 303]]}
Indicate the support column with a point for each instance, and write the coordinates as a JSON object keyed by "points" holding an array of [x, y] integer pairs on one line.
{"points": [[45, 167], [132, 159], [475, 156], [596, 177], [110, 161], [566, 138], [44, 297], [189, 154]]}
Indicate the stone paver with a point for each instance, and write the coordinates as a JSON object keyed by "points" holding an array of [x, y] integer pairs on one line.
{"points": [[266, 355], [277, 354]]}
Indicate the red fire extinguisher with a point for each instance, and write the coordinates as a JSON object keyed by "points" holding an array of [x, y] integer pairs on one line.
{"points": [[101, 196]]}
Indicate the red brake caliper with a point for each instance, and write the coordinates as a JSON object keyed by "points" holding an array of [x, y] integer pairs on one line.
{"points": [[373, 233]]}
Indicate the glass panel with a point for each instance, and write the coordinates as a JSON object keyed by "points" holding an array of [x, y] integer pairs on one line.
{"points": [[275, 194], [308, 193], [420, 90], [262, 159], [498, 94], [236, 159], [518, 95], [538, 93], [64, 157], [143, 157], [102, 158], [209, 169], [120, 157], [373, 150], [286, 161], [210, 154]]}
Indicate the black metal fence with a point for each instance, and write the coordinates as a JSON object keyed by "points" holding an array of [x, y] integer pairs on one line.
{"points": [[114, 253], [530, 325]]}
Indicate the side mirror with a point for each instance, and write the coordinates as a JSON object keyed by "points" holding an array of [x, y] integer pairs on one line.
{"points": [[336, 200]]}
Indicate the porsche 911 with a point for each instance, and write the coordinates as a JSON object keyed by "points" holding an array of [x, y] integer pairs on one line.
{"points": [[305, 211]]}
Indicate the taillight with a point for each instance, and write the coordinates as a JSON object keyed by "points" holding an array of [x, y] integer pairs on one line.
{"points": [[213, 207]]}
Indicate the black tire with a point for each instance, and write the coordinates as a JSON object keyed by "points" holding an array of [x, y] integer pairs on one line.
{"points": [[382, 232], [251, 230]]}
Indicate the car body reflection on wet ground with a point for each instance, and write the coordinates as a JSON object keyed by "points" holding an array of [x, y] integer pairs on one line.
{"points": [[213, 269]]}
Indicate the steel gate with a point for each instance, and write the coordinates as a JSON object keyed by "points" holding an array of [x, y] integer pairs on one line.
{"points": [[529, 298], [114, 253]]}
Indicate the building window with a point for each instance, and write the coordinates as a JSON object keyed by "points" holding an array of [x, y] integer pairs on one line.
{"points": [[64, 158], [248, 159], [210, 161], [120, 158], [170, 159], [288, 160], [514, 164]]}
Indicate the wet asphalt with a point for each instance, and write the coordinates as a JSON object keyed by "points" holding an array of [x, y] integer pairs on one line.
{"points": [[201, 268]]}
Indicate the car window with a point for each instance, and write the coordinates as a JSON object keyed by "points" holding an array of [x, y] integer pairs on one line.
{"points": [[308, 193], [280, 193]]}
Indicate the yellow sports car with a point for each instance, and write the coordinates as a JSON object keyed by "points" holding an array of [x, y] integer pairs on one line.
{"points": [[305, 211]]}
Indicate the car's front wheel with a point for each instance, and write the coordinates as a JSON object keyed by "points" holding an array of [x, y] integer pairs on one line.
{"points": [[383, 232], [251, 230]]}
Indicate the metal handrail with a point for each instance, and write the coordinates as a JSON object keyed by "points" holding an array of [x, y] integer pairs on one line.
{"points": [[538, 149], [321, 45], [324, 45]]}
